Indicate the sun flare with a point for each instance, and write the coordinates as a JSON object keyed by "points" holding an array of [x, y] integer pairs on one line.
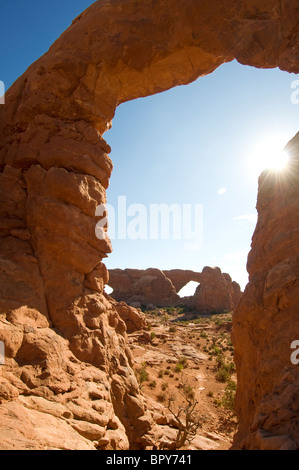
{"points": [[269, 154]]}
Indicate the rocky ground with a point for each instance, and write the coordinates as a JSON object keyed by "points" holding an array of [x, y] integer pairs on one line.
{"points": [[180, 357]]}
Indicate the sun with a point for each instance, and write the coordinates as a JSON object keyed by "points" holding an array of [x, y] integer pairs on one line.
{"points": [[269, 154]]}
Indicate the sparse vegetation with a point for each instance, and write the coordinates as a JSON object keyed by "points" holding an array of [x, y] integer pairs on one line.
{"points": [[161, 397], [211, 383], [164, 386], [153, 384], [223, 375], [228, 400], [179, 367], [143, 374], [186, 416]]}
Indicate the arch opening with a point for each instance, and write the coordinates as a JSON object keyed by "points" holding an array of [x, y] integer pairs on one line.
{"points": [[108, 289], [189, 289]]}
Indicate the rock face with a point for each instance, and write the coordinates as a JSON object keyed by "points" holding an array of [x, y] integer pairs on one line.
{"points": [[68, 381], [216, 292], [144, 287], [266, 321]]}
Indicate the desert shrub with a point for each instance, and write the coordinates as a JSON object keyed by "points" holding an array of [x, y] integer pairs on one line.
{"points": [[220, 361], [161, 397], [223, 375], [186, 416], [152, 384], [228, 399], [188, 391], [143, 374], [184, 361], [216, 350], [170, 310], [179, 367]]}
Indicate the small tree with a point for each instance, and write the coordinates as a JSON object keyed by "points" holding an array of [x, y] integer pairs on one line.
{"points": [[143, 374], [185, 415]]}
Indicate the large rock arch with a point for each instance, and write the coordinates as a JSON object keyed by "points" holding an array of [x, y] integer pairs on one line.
{"points": [[55, 169]]}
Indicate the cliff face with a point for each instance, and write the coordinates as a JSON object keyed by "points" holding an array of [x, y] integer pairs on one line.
{"points": [[68, 367], [65, 342], [266, 321]]}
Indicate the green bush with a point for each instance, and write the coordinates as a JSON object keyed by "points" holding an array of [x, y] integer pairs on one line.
{"points": [[152, 384], [179, 367], [143, 374], [223, 375], [228, 400]]}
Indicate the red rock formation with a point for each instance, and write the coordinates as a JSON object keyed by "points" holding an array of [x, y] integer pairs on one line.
{"points": [[55, 168], [144, 287], [266, 321], [216, 292], [132, 317], [181, 277]]}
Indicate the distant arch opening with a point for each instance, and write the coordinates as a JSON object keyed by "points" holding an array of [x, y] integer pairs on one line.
{"points": [[108, 290], [189, 289]]}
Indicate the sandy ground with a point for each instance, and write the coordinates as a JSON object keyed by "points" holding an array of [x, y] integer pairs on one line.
{"points": [[181, 357]]}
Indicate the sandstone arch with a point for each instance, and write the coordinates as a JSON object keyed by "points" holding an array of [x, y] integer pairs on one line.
{"points": [[216, 291], [181, 277], [55, 169]]}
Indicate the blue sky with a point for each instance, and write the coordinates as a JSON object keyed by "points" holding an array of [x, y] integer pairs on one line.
{"points": [[195, 144]]}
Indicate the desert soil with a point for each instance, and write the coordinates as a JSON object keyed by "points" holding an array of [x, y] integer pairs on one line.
{"points": [[180, 357]]}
